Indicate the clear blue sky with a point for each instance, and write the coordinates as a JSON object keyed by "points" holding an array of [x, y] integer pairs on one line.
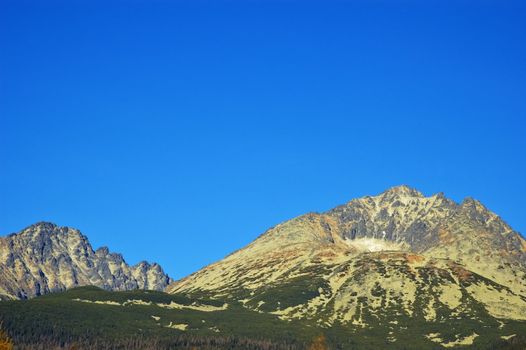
{"points": [[179, 131]]}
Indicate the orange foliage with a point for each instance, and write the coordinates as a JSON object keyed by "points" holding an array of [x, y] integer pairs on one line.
{"points": [[5, 342], [319, 343]]}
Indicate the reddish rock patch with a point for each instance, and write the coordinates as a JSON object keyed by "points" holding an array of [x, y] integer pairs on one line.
{"points": [[412, 258]]}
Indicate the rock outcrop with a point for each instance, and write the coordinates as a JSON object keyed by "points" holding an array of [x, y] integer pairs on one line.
{"points": [[46, 258]]}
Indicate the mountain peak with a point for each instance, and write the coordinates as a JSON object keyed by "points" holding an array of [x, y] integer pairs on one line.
{"points": [[45, 229], [472, 202], [102, 251], [404, 191], [44, 223], [45, 257], [43, 226], [38, 228]]}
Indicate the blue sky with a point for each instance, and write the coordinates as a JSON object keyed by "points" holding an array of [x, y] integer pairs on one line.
{"points": [[179, 131]]}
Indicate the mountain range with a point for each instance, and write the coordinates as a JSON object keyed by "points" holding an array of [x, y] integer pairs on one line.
{"points": [[397, 270]]}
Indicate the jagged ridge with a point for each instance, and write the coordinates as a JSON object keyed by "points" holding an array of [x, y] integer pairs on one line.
{"points": [[45, 258]]}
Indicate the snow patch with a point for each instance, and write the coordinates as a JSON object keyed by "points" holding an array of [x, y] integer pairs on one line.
{"points": [[373, 244]]}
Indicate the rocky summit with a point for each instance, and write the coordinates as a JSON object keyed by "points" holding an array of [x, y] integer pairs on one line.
{"points": [[398, 270], [381, 264], [46, 258]]}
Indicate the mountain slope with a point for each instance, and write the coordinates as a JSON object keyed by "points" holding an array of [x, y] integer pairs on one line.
{"points": [[47, 258], [91, 318], [380, 263]]}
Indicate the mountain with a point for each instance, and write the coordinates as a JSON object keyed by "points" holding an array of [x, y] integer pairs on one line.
{"points": [[380, 265], [394, 271], [46, 258], [92, 318]]}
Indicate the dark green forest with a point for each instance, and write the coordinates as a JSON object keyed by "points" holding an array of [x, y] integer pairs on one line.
{"points": [[72, 320]]}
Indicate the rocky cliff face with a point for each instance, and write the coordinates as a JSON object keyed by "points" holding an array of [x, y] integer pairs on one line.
{"points": [[47, 258], [378, 262]]}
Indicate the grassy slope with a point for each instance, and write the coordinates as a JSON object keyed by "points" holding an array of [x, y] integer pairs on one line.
{"points": [[59, 316]]}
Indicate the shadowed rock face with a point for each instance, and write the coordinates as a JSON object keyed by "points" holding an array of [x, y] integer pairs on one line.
{"points": [[47, 258], [388, 257]]}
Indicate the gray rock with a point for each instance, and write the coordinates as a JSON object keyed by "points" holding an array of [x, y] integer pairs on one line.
{"points": [[46, 258]]}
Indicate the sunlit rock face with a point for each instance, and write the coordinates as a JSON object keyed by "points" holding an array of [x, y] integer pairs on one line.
{"points": [[387, 258], [400, 214], [47, 258]]}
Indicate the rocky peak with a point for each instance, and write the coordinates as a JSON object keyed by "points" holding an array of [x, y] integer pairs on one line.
{"points": [[102, 251], [475, 207], [39, 228], [45, 258], [45, 231], [403, 215], [401, 191], [400, 214], [44, 226], [473, 204]]}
